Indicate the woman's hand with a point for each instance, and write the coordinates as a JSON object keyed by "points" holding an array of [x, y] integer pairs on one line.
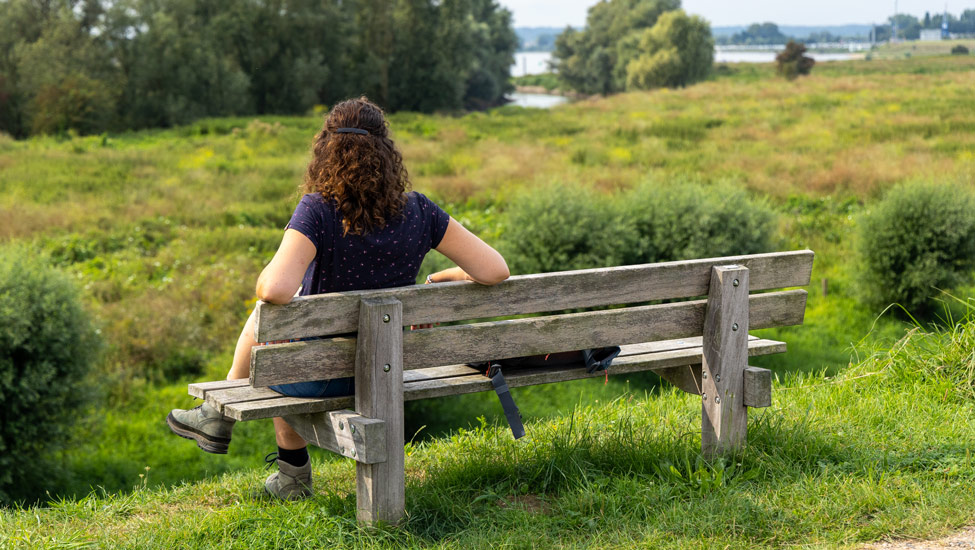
{"points": [[447, 275]]}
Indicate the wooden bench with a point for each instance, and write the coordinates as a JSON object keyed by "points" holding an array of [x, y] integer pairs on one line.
{"points": [[701, 346]]}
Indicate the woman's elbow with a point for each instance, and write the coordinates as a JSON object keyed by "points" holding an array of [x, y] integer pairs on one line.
{"points": [[497, 275], [273, 294]]}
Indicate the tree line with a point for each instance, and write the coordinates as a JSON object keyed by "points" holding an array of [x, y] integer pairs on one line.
{"points": [[768, 34], [909, 27], [97, 65]]}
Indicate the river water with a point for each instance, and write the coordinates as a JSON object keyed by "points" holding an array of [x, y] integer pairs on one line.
{"points": [[527, 63], [537, 62]]}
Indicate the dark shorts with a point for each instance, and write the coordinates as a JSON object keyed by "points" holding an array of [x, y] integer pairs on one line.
{"points": [[336, 387]]}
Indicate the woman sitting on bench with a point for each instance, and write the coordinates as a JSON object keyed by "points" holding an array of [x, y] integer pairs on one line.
{"points": [[356, 228]]}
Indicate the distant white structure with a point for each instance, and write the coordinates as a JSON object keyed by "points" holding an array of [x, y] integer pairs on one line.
{"points": [[931, 35]]}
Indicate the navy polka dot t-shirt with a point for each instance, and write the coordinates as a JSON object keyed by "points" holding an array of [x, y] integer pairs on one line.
{"points": [[383, 258]]}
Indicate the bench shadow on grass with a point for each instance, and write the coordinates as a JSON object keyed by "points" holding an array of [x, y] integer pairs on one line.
{"points": [[480, 493], [431, 418]]}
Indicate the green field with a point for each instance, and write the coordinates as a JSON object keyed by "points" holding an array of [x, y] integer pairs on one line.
{"points": [[901, 50], [166, 232]]}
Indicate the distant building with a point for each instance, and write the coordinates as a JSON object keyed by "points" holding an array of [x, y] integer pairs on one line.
{"points": [[931, 35]]}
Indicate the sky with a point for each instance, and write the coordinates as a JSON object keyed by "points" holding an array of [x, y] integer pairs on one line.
{"points": [[559, 13]]}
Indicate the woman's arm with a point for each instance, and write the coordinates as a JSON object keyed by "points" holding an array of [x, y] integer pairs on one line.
{"points": [[282, 277], [475, 259]]}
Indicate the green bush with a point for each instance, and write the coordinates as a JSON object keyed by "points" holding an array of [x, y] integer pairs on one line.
{"points": [[564, 227], [918, 239], [793, 61], [687, 220], [959, 50], [46, 347]]}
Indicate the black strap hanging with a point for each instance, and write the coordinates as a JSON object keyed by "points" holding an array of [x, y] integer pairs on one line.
{"points": [[507, 402], [594, 360]]}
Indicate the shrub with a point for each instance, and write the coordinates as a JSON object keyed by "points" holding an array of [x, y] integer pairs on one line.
{"points": [[959, 50], [564, 227], [792, 61], [687, 220], [918, 239], [46, 348]]}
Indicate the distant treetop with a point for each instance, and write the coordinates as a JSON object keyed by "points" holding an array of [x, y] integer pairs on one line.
{"points": [[634, 44]]}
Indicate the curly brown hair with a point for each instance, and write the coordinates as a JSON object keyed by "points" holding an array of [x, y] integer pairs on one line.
{"points": [[360, 169]]}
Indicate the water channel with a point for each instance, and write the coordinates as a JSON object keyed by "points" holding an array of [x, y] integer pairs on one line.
{"points": [[528, 63]]}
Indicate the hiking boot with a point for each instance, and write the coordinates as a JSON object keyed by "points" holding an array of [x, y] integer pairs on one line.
{"points": [[289, 482], [206, 425]]}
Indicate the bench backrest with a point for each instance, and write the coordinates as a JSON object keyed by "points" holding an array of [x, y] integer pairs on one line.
{"points": [[334, 318]]}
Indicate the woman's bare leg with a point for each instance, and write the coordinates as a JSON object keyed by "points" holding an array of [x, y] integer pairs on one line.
{"points": [[241, 368], [286, 437]]}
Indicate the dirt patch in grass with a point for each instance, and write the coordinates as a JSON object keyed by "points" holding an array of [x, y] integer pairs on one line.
{"points": [[961, 539], [529, 503]]}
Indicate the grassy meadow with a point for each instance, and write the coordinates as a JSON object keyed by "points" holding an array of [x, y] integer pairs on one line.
{"points": [[167, 230]]}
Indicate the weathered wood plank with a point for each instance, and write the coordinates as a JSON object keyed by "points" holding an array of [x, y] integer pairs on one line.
{"points": [[725, 356], [347, 433], [240, 394], [624, 365], [686, 378], [200, 389], [435, 373], [284, 406], [337, 313], [381, 488], [323, 359], [758, 387], [665, 345], [302, 361], [468, 380]]}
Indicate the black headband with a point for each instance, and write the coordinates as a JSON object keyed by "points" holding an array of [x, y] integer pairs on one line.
{"points": [[359, 131]]}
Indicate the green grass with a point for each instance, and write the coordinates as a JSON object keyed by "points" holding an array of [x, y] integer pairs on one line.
{"points": [[882, 450], [166, 231], [912, 49]]}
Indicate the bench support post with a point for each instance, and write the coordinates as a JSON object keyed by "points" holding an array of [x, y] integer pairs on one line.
{"points": [[725, 356], [381, 488]]}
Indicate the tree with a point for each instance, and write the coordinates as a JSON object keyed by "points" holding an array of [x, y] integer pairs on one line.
{"points": [[595, 60], [177, 65], [908, 26], [792, 61], [678, 50], [966, 22], [495, 44], [66, 78]]}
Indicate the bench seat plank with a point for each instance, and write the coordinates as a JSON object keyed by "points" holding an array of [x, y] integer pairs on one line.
{"points": [[308, 360], [248, 403], [200, 389], [338, 313], [546, 375], [284, 406]]}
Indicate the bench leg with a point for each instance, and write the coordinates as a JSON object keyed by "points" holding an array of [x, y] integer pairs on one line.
{"points": [[724, 422], [381, 488]]}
